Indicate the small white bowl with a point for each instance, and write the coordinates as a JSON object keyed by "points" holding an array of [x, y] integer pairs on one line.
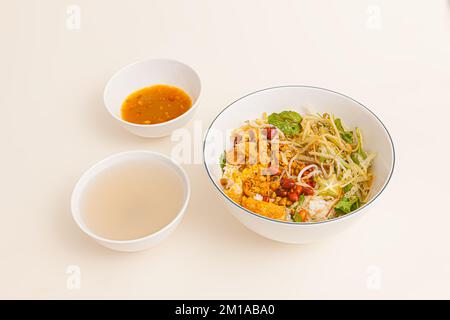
{"points": [[299, 98], [146, 73], [135, 244]]}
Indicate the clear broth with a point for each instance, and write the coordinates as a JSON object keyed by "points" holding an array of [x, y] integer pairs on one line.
{"points": [[132, 200]]}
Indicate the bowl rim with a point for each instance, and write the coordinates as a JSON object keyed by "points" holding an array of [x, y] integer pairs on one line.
{"points": [[303, 224], [154, 125], [87, 176]]}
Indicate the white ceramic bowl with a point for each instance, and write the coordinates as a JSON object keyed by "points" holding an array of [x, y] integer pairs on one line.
{"points": [[135, 244], [147, 73], [353, 113]]}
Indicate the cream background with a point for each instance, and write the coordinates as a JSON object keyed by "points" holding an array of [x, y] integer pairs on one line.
{"points": [[54, 126]]}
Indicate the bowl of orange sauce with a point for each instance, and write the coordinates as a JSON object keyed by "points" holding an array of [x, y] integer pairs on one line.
{"points": [[152, 98]]}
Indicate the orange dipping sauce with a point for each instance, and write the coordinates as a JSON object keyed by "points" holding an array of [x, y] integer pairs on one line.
{"points": [[155, 104]]}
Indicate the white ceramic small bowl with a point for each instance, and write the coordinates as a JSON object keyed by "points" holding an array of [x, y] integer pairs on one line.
{"points": [[299, 98], [135, 244], [146, 73]]}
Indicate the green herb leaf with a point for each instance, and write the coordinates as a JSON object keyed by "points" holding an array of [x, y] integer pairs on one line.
{"points": [[301, 199], [360, 147], [298, 204], [360, 154], [347, 136], [298, 217], [338, 124], [286, 121], [348, 187], [222, 161], [347, 205], [355, 158]]}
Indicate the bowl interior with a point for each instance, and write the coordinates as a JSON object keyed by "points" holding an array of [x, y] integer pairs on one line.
{"points": [[110, 162], [147, 73], [302, 99]]}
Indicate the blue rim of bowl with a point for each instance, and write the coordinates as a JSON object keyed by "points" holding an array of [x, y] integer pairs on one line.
{"points": [[348, 215]]}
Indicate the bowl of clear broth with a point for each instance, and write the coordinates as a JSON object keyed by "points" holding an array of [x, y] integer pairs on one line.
{"points": [[132, 200], [152, 98]]}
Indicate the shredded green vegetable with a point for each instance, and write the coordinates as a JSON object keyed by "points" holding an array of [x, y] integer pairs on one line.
{"points": [[343, 165]]}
